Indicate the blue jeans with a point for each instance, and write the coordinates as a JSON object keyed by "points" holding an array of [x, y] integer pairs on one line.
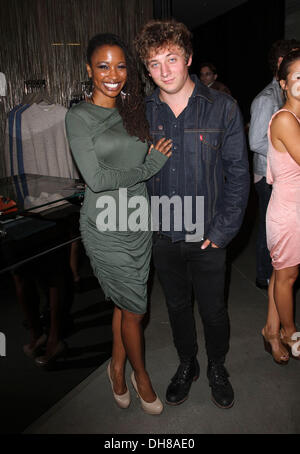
{"points": [[181, 267], [263, 260]]}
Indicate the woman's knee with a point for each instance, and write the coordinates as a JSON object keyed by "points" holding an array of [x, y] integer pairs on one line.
{"points": [[131, 316], [287, 276]]}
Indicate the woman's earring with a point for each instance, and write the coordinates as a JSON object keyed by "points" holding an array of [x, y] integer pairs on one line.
{"points": [[123, 93]]}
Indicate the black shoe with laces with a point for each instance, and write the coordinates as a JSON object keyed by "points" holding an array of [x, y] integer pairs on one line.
{"points": [[221, 390], [178, 389]]}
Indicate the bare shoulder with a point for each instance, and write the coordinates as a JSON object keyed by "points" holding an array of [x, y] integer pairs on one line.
{"points": [[284, 122]]}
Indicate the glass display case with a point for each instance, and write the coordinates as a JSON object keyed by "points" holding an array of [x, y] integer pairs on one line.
{"points": [[38, 215]]}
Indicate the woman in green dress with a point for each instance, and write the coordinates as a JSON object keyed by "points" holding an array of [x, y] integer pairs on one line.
{"points": [[108, 138]]}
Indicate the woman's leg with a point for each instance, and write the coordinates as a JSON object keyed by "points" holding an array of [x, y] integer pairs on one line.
{"points": [[272, 327], [283, 295], [55, 320], [273, 320], [55, 285], [74, 260], [133, 341], [28, 298], [118, 359]]}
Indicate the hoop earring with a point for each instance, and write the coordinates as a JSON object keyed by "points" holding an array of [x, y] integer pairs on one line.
{"points": [[89, 88]]}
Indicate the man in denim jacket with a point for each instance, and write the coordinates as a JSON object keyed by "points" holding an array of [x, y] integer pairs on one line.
{"points": [[209, 164], [264, 105]]}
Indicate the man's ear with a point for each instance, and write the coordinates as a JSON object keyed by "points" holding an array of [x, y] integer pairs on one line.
{"points": [[215, 76], [189, 61], [279, 62]]}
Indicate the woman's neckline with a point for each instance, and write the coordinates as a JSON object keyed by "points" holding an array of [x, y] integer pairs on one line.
{"points": [[101, 107]]}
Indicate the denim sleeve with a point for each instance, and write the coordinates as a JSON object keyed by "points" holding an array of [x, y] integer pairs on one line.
{"points": [[262, 109], [230, 213]]}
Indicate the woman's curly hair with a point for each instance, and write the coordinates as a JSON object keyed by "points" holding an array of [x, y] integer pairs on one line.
{"points": [[131, 106], [157, 34]]}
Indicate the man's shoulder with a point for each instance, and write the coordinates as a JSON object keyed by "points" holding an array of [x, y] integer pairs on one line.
{"points": [[220, 96], [268, 92], [214, 99], [217, 85], [152, 97]]}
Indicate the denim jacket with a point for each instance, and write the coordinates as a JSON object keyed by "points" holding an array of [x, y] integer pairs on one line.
{"points": [[264, 105], [215, 158]]}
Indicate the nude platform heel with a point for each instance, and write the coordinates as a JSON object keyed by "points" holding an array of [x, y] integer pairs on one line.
{"points": [[151, 408], [277, 356], [122, 400], [289, 343]]}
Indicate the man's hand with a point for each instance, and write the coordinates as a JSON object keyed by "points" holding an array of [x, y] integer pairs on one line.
{"points": [[207, 243]]}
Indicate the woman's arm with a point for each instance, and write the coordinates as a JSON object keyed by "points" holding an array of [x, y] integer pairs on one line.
{"points": [[99, 176], [285, 130]]}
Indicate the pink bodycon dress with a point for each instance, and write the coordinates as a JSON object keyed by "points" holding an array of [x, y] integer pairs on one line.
{"points": [[283, 213]]}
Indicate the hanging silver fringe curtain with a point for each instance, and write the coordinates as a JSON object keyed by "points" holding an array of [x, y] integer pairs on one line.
{"points": [[47, 39]]}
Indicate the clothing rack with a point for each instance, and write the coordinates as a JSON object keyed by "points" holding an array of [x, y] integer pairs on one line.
{"points": [[84, 91], [33, 85], [35, 92]]}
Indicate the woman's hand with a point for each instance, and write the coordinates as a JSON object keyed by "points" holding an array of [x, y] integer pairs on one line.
{"points": [[164, 146]]}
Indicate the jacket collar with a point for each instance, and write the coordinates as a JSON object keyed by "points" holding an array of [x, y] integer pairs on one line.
{"points": [[200, 90]]}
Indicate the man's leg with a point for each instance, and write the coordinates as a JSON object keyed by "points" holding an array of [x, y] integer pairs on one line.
{"points": [[207, 268], [176, 283]]}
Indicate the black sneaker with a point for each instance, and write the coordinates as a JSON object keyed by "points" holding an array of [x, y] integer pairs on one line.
{"points": [[221, 390], [178, 389]]}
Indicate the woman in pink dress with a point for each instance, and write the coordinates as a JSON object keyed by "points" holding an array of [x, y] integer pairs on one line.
{"points": [[283, 215]]}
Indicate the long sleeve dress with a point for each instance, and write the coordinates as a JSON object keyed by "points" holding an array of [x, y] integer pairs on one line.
{"points": [[108, 160]]}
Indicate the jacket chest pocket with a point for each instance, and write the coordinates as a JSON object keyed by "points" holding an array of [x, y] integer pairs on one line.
{"points": [[207, 143]]}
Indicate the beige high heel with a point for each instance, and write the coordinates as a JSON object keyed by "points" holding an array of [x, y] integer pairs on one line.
{"points": [[151, 408], [277, 355], [289, 343], [122, 400]]}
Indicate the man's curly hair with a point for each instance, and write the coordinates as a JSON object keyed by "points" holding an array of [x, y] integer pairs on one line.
{"points": [[157, 34], [131, 107], [279, 49]]}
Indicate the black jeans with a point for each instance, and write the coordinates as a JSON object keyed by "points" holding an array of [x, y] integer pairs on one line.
{"points": [[263, 260], [184, 266]]}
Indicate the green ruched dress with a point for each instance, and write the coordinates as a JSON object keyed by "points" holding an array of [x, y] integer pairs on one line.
{"points": [[109, 159]]}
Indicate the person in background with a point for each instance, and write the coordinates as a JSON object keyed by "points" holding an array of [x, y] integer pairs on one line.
{"points": [[283, 214], [108, 137], [53, 275], [209, 162], [264, 105], [208, 76]]}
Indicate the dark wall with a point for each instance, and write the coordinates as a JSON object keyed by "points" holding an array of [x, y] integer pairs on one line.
{"points": [[162, 9], [238, 43]]}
